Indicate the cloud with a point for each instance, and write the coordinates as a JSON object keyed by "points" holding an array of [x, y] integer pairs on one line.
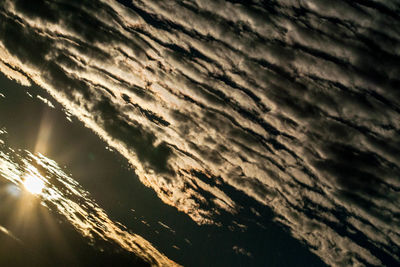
{"points": [[239, 250], [293, 103], [64, 196]]}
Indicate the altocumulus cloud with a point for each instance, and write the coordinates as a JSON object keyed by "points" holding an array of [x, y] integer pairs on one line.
{"points": [[294, 103]]}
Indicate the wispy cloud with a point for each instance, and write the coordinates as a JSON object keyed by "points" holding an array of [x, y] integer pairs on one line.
{"points": [[64, 196]]}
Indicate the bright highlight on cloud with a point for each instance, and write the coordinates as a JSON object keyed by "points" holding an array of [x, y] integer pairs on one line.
{"points": [[61, 194], [293, 103], [33, 184]]}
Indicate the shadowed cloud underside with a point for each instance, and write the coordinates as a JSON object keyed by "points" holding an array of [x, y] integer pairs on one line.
{"points": [[294, 103]]}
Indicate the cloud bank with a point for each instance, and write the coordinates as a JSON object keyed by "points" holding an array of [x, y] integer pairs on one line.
{"points": [[294, 103]]}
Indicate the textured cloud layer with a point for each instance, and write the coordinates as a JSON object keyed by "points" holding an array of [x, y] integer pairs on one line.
{"points": [[64, 196], [294, 103]]}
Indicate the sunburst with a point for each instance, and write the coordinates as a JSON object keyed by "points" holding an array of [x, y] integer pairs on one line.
{"points": [[33, 184]]}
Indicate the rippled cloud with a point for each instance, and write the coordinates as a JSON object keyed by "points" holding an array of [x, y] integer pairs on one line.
{"points": [[42, 178], [294, 103]]}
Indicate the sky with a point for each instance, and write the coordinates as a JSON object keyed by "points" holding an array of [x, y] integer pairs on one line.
{"points": [[273, 124]]}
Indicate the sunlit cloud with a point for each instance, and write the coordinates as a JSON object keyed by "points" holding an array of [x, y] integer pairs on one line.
{"points": [[46, 184], [284, 104], [8, 232], [33, 184]]}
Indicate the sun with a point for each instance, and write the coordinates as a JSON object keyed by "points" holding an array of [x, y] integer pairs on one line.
{"points": [[34, 185]]}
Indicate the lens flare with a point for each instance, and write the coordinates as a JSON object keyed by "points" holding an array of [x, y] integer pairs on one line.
{"points": [[34, 185]]}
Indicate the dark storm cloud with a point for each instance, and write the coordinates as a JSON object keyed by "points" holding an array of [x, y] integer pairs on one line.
{"points": [[294, 103]]}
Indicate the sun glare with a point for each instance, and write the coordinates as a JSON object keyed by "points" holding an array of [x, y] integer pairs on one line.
{"points": [[34, 185]]}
